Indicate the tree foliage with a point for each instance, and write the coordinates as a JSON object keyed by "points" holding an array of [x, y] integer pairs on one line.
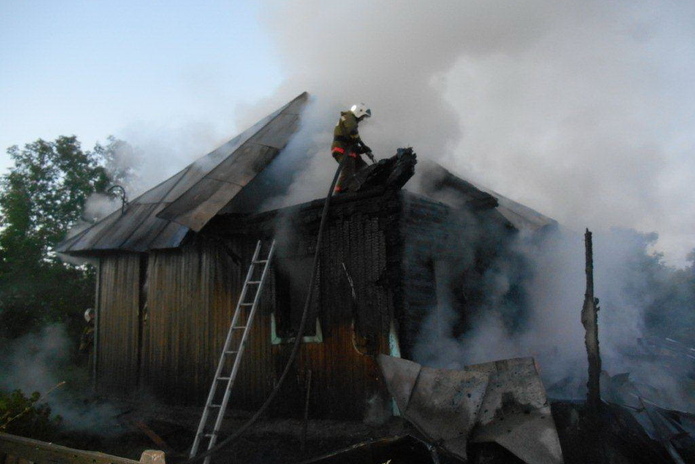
{"points": [[666, 295], [26, 417], [41, 199], [672, 313]]}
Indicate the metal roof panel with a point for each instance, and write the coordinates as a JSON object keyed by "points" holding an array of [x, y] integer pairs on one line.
{"points": [[123, 228], [278, 132], [147, 232], [195, 194], [196, 205], [158, 193], [84, 239], [170, 237]]}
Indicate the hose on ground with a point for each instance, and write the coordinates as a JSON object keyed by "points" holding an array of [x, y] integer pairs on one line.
{"points": [[297, 342]]}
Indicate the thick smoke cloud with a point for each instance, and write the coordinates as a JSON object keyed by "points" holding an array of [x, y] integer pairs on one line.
{"points": [[578, 109], [626, 282]]}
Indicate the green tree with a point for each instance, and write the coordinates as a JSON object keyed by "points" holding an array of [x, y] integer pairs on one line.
{"points": [[41, 199], [26, 416], [672, 314]]}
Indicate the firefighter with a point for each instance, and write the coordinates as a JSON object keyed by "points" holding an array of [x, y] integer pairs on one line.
{"points": [[347, 142], [87, 339]]}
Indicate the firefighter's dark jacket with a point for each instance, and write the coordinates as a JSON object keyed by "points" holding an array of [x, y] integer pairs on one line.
{"points": [[345, 135]]}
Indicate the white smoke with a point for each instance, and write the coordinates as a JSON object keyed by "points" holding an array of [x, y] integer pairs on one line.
{"points": [[41, 363], [162, 151], [98, 206], [578, 109], [553, 334]]}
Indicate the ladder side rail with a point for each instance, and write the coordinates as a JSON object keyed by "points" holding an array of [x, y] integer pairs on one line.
{"points": [[252, 313], [235, 316], [213, 388], [242, 346], [220, 365], [244, 290], [240, 302], [211, 396]]}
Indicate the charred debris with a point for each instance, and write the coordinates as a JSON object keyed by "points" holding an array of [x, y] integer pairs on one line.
{"points": [[172, 263]]}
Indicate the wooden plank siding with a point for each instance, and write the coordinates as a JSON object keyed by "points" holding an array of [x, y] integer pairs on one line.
{"points": [[190, 296], [191, 292], [118, 326], [423, 225], [449, 256], [344, 374]]}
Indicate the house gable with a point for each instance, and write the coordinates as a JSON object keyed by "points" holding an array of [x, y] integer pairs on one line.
{"points": [[163, 216]]}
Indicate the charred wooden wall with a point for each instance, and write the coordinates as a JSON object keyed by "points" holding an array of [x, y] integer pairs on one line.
{"points": [[190, 296], [120, 277], [422, 230], [344, 374], [164, 317], [450, 257], [163, 325]]}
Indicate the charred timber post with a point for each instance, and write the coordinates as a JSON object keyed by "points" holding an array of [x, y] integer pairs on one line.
{"points": [[590, 323]]}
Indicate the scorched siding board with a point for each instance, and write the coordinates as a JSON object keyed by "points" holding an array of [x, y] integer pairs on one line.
{"points": [[343, 378], [118, 323], [422, 226], [447, 255], [191, 293], [256, 377]]}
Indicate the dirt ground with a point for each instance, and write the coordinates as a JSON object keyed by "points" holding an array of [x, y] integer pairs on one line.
{"points": [[275, 441], [269, 441]]}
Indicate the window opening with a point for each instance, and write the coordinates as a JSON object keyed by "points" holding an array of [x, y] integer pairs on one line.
{"points": [[291, 276]]}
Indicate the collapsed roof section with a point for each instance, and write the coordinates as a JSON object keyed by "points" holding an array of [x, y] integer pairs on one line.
{"points": [[442, 185], [161, 217]]}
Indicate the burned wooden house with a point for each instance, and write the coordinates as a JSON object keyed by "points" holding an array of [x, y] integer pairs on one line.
{"points": [[173, 262]]}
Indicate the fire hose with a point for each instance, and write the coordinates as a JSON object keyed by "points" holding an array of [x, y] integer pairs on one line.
{"points": [[297, 342]]}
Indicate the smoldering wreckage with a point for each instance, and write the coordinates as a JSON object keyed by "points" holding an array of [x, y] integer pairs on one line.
{"points": [[181, 261]]}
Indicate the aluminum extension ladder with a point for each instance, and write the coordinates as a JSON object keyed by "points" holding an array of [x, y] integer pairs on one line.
{"points": [[233, 350]]}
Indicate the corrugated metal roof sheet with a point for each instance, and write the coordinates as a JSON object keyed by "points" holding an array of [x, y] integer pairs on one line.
{"points": [[203, 200], [162, 216]]}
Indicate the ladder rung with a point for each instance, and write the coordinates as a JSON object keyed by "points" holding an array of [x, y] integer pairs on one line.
{"points": [[231, 352], [214, 406], [254, 282], [223, 378], [245, 304], [209, 435], [260, 261], [239, 327]]}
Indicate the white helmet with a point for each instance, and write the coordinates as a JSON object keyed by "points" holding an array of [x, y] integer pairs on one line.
{"points": [[360, 110], [89, 314]]}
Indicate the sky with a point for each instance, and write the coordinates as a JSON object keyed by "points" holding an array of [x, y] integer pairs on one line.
{"points": [[582, 110], [129, 68]]}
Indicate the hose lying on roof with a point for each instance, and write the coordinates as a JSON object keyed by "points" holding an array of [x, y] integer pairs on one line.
{"points": [[297, 342]]}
